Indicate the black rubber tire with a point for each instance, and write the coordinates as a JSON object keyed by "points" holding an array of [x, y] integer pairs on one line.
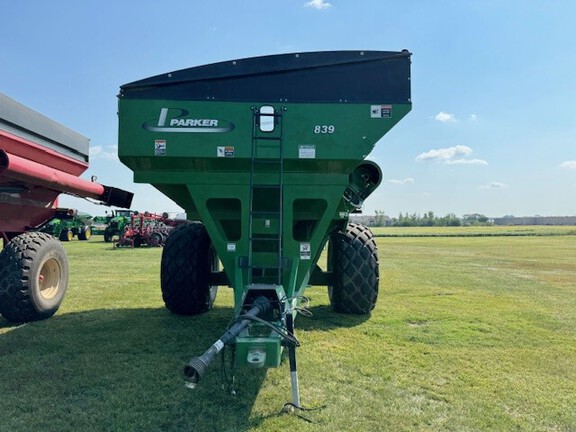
{"points": [[137, 241], [33, 277], [188, 258], [66, 235], [353, 260], [109, 236], [84, 233], [155, 239]]}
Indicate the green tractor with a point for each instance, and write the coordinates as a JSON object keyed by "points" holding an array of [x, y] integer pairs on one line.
{"points": [[67, 224], [99, 224], [117, 223], [268, 154]]}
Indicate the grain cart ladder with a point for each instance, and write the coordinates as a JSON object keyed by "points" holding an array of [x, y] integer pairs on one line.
{"points": [[268, 154]]}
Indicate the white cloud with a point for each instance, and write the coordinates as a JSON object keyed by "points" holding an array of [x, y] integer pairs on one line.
{"points": [[571, 164], [473, 117], [98, 152], [450, 156], [318, 4], [495, 185], [406, 181], [444, 154], [95, 151], [467, 162], [445, 117]]}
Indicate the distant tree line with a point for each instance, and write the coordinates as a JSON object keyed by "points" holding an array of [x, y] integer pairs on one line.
{"points": [[430, 219]]}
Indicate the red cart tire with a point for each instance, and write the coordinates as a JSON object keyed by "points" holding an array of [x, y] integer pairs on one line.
{"points": [[33, 277]]}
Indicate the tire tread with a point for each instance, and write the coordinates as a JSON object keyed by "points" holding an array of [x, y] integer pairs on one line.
{"points": [[354, 263], [16, 262]]}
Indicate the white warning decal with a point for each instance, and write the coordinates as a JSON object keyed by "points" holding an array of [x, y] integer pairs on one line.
{"points": [[381, 111], [307, 152], [225, 151], [159, 147], [304, 251]]}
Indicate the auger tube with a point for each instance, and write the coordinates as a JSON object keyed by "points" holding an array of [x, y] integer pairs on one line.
{"points": [[197, 366]]}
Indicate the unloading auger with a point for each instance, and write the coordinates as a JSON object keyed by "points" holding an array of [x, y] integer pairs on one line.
{"points": [[267, 154]]}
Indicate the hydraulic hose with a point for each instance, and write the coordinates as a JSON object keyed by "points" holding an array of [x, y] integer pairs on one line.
{"points": [[197, 366]]}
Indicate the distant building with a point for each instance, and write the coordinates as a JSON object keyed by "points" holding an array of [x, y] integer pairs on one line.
{"points": [[536, 220]]}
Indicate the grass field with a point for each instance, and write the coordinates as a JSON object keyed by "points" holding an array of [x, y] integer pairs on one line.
{"points": [[474, 231], [469, 334]]}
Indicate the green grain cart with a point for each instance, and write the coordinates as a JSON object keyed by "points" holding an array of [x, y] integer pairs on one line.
{"points": [[269, 154]]}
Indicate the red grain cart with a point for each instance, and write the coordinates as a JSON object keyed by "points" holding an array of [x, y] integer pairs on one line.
{"points": [[39, 160]]}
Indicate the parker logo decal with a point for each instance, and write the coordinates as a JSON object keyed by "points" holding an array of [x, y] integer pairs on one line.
{"points": [[178, 120]]}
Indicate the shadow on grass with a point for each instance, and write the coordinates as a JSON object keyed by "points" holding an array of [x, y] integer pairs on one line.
{"points": [[119, 369], [324, 318]]}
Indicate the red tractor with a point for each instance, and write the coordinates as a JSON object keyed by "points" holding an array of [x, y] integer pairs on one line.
{"points": [[39, 160]]}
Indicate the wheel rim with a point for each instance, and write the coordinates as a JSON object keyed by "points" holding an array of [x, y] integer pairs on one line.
{"points": [[49, 278]]}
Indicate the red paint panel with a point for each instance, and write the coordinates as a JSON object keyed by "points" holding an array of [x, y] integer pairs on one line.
{"points": [[21, 211]]}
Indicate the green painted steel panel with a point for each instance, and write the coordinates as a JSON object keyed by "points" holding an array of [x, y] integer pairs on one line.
{"points": [[199, 154], [270, 188]]}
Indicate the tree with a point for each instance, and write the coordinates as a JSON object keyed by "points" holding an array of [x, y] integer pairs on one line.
{"points": [[475, 219], [380, 218]]}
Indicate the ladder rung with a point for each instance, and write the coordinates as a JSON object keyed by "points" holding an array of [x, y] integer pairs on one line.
{"points": [[267, 161], [265, 267], [245, 264], [265, 213], [267, 138], [266, 186]]}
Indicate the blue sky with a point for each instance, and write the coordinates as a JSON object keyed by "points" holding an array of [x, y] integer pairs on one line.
{"points": [[493, 125]]}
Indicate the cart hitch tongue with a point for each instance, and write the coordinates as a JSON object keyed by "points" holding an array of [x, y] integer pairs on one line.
{"points": [[196, 367]]}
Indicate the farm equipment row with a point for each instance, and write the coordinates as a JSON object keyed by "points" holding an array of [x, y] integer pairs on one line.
{"points": [[266, 154], [122, 227]]}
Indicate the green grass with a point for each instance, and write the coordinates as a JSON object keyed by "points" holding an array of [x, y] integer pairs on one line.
{"points": [[474, 231], [469, 334]]}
